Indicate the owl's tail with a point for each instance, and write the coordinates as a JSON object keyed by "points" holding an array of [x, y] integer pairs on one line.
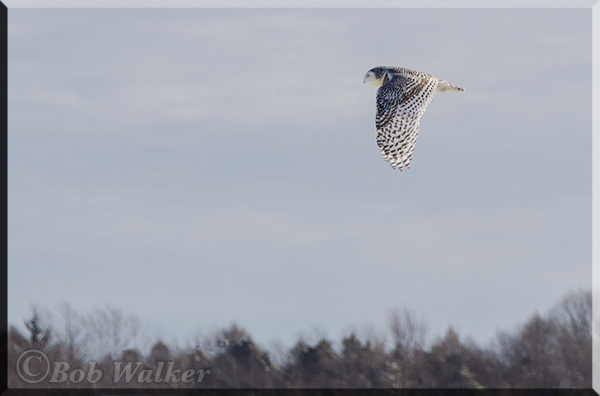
{"points": [[444, 86]]}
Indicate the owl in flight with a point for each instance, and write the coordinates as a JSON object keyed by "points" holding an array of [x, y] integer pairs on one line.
{"points": [[402, 98]]}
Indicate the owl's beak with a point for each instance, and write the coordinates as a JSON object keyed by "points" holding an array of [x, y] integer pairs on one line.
{"points": [[371, 79]]}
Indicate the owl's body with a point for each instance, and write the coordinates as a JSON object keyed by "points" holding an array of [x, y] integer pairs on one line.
{"points": [[402, 98]]}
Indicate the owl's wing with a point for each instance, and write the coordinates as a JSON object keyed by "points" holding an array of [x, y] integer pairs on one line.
{"points": [[400, 104]]}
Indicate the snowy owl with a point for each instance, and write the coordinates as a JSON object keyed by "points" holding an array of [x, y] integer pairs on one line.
{"points": [[402, 98]]}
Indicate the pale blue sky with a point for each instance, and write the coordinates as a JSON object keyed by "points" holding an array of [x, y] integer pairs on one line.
{"points": [[200, 166]]}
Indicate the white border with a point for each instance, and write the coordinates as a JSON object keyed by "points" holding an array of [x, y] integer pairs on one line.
{"points": [[595, 195], [299, 3], [593, 4]]}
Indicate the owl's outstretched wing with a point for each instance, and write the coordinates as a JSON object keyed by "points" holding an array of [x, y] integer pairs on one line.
{"points": [[400, 104]]}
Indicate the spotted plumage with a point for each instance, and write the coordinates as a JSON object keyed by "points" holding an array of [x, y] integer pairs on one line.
{"points": [[402, 98]]}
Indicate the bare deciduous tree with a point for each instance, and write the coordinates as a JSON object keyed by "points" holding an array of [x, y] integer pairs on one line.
{"points": [[552, 350], [408, 332]]}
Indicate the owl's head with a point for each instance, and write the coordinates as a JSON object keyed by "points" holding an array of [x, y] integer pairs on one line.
{"points": [[376, 77]]}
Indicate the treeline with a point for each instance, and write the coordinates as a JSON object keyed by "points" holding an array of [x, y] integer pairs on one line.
{"points": [[94, 351]]}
